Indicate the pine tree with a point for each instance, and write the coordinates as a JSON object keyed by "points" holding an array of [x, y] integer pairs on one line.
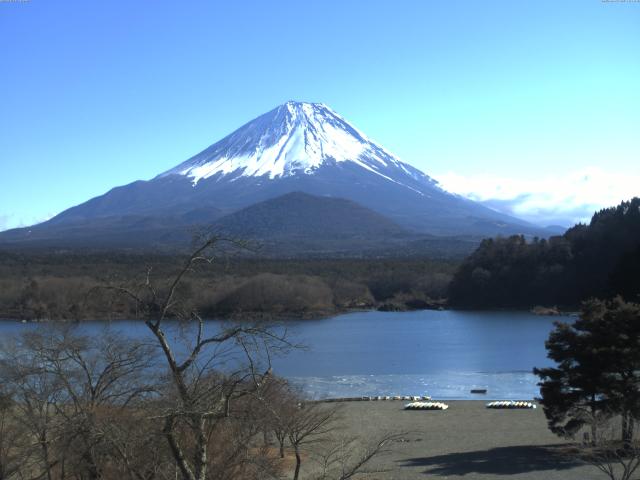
{"points": [[598, 369]]}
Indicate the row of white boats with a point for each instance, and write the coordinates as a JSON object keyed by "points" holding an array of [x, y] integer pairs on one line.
{"points": [[423, 402], [509, 404], [426, 406], [413, 398]]}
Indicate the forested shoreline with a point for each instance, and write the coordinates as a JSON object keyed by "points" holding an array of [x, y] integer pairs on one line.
{"points": [[71, 286], [598, 260]]}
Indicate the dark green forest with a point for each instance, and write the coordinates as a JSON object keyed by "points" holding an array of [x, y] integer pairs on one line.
{"points": [[601, 259]]}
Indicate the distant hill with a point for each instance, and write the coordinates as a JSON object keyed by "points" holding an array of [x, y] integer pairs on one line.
{"points": [[298, 224], [601, 259], [299, 214], [292, 225]]}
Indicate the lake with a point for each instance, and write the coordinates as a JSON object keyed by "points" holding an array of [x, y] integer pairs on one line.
{"points": [[439, 353]]}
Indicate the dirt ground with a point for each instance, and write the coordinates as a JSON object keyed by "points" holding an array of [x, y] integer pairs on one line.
{"points": [[467, 441]]}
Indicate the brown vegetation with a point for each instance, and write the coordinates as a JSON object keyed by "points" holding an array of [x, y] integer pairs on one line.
{"points": [[57, 286]]}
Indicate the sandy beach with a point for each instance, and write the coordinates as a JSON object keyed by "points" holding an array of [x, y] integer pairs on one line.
{"points": [[467, 441]]}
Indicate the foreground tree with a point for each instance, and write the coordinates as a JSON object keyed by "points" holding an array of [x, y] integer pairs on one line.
{"points": [[34, 394], [598, 370], [69, 393], [341, 457], [309, 424], [95, 408], [11, 438], [313, 430], [209, 372], [616, 459]]}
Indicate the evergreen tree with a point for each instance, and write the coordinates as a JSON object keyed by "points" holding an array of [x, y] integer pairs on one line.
{"points": [[598, 369], [601, 259]]}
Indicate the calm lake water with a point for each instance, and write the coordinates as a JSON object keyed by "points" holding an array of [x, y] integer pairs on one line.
{"points": [[439, 353]]}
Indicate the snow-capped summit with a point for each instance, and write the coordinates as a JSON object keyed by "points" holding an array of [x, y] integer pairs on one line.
{"points": [[293, 139]]}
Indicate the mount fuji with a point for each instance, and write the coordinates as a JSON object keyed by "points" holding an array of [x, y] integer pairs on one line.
{"points": [[296, 147]]}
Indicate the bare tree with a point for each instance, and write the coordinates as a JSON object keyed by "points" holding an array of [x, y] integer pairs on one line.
{"points": [[278, 405], [310, 424], [617, 459], [35, 394], [137, 447], [69, 390], [11, 438], [342, 458], [100, 377], [201, 394], [313, 429]]}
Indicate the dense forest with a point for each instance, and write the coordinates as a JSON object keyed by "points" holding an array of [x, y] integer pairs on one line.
{"points": [[601, 259], [63, 286]]}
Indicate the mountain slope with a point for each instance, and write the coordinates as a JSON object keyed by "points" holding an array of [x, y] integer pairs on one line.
{"points": [[302, 215], [298, 224], [297, 147]]}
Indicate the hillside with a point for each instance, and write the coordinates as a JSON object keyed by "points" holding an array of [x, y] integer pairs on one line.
{"points": [[302, 215], [601, 259]]}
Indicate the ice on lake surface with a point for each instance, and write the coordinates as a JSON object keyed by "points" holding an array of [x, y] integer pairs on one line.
{"points": [[443, 386]]}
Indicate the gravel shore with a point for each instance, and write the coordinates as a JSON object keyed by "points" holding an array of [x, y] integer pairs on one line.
{"points": [[467, 441]]}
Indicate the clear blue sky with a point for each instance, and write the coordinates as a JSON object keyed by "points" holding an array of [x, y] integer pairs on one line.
{"points": [[98, 94]]}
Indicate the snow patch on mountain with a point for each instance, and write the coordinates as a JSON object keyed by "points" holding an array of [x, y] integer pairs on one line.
{"points": [[293, 139]]}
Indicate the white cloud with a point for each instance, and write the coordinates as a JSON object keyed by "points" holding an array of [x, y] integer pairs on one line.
{"points": [[5, 222], [9, 221], [562, 199]]}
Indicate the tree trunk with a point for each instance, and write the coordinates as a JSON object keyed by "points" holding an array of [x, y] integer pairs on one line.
{"points": [[45, 453], [594, 422], [201, 448], [298, 462], [282, 449], [627, 429], [92, 469], [179, 457]]}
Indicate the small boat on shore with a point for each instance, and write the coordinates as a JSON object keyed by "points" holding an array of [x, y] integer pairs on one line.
{"points": [[426, 406], [510, 404]]}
